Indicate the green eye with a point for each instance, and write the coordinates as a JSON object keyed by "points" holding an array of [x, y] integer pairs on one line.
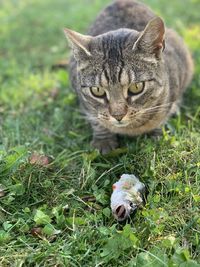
{"points": [[97, 91], [136, 88]]}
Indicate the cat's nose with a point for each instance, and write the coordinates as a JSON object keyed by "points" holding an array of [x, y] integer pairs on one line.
{"points": [[118, 111], [118, 117]]}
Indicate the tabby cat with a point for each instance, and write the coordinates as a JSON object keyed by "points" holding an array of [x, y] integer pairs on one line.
{"points": [[128, 71]]}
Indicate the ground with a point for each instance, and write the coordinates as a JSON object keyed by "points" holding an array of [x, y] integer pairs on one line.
{"points": [[55, 190]]}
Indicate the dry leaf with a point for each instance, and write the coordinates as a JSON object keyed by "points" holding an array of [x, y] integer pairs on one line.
{"points": [[54, 93], [62, 64], [38, 159], [36, 231], [2, 192]]}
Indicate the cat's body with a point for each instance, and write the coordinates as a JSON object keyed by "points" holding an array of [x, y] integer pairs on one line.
{"points": [[129, 78]]}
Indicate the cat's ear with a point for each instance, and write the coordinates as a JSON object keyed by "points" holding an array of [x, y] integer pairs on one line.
{"points": [[79, 43], [151, 40]]}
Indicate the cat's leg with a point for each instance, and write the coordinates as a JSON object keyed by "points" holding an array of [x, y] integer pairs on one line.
{"points": [[156, 134], [103, 139], [175, 110]]}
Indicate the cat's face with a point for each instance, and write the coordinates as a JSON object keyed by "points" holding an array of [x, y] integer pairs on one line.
{"points": [[120, 74]]}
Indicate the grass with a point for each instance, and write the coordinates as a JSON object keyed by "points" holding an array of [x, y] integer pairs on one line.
{"points": [[58, 214]]}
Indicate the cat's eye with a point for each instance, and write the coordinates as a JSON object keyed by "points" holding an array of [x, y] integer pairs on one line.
{"points": [[136, 88], [97, 91]]}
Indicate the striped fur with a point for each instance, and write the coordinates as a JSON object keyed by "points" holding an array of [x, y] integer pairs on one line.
{"points": [[122, 48]]}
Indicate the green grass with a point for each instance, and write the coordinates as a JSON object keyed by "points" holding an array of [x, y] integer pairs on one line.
{"points": [[58, 215]]}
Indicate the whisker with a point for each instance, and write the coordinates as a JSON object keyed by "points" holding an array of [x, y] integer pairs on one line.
{"points": [[154, 111], [160, 106], [146, 114]]}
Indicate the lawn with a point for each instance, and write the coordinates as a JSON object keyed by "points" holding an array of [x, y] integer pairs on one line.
{"points": [[54, 189]]}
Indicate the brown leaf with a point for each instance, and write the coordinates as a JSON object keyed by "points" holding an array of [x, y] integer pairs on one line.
{"points": [[88, 198], [2, 192], [36, 231], [38, 159], [62, 64], [54, 93]]}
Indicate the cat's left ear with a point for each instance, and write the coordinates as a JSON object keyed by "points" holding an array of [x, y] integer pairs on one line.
{"points": [[79, 43], [151, 40]]}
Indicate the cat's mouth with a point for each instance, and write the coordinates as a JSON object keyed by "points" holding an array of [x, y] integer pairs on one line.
{"points": [[120, 124]]}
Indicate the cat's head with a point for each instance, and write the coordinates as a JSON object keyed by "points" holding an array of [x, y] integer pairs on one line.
{"points": [[120, 73]]}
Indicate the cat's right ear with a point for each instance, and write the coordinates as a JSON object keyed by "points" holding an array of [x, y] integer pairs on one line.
{"points": [[151, 40], [79, 43]]}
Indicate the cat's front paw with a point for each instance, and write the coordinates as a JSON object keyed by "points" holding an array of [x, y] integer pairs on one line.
{"points": [[156, 134], [104, 146]]}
